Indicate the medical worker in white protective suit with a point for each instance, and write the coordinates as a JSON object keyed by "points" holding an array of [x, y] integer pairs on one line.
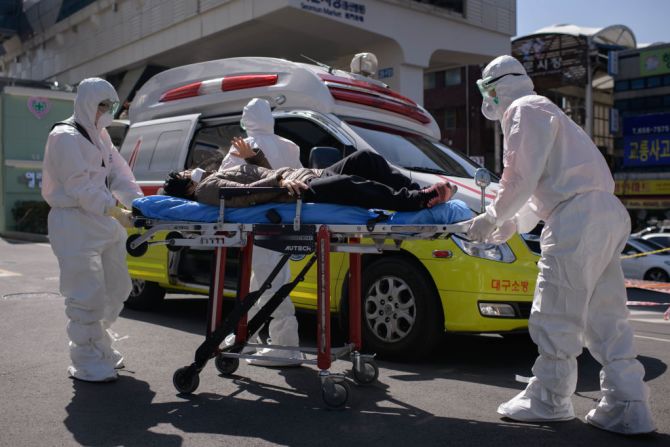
{"points": [[82, 180], [554, 172], [258, 122]]}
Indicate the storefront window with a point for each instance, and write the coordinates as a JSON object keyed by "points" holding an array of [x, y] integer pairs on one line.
{"points": [[637, 84], [621, 86], [451, 5], [428, 81], [450, 119], [452, 77], [654, 81]]}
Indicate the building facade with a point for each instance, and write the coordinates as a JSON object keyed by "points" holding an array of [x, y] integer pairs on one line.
{"points": [[642, 102], [127, 41]]}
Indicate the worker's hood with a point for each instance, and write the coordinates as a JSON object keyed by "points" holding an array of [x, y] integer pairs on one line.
{"points": [[257, 117], [90, 93]]}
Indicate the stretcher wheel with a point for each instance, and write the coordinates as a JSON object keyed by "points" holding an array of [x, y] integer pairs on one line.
{"points": [[138, 251], [173, 235], [186, 380], [368, 372], [226, 365], [335, 393]]}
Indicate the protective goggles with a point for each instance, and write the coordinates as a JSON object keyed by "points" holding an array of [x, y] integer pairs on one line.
{"points": [[487, 84], [108, 106]]}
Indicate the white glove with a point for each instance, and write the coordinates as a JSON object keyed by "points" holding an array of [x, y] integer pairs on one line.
{"points": [[481, 227], [503, 233], [124, 217]]}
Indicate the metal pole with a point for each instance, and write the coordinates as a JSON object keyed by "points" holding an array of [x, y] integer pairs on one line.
{"points": [[467, 110], [588, 124]]}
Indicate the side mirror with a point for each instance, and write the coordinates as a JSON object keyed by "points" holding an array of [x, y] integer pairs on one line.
{"points": [[321, 157], [483, 179]]}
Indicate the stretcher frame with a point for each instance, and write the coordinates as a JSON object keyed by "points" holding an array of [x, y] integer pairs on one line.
{"points": [[317, 240]]}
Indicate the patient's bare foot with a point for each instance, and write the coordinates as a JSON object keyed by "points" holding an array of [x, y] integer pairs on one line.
{"points": [[440, 192]]}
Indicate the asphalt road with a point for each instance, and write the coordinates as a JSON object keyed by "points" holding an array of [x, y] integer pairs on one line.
{"points": [[449, 399]]}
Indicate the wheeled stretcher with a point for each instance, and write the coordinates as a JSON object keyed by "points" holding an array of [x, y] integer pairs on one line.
{"points": [[316, 240]]}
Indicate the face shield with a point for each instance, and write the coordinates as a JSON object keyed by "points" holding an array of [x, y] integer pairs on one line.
{"points": [[491, 104], [108, 106]]}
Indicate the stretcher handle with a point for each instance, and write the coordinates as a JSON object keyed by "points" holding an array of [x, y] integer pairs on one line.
{"points": [[226, 193]]}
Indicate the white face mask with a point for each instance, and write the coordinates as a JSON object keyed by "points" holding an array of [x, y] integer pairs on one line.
{"points": [[105, 120], [491, 109], [196, 175]]}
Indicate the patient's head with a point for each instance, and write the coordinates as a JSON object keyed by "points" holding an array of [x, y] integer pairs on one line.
{"points": [[179, 184]]}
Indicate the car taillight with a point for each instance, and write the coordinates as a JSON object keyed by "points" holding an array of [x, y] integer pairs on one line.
{"points": [[225, 84], [247, 81], [186, 91], [368, 94]]}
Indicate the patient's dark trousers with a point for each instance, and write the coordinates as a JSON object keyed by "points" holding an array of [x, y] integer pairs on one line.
{"points": [[365, 179]]}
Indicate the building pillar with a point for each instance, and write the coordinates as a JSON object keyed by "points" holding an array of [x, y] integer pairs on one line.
{"points": [[409, 82]]}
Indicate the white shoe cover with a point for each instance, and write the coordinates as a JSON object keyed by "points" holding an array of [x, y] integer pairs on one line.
{"points": [[625, 417], [230, 341], [290, 357], [537, 404], [100, 374]]}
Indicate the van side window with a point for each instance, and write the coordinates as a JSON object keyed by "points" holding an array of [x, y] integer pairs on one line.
{"points": [[306, 135], [210, 145], [165, 156], [157, 147]]}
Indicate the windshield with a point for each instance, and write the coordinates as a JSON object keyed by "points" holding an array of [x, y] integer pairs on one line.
{"points": [[651, 246], [415, 152]]}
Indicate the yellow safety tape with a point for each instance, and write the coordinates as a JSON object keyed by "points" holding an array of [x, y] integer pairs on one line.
{"points": [[645, 253]]}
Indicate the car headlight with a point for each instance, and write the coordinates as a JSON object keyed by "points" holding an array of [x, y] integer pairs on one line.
{"points": [[500, 253]]}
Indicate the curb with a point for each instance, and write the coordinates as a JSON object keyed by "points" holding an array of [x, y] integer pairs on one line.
{"points": [[21, 236]]}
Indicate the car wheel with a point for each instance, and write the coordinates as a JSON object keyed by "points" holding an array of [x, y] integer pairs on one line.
{"points": [[145, 295], [401, 312], [658, 275]]}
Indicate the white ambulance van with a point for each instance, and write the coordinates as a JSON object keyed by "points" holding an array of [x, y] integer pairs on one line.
{"points": [[185, 117]]}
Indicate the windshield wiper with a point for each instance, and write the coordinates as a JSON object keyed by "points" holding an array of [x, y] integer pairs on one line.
{"points": [[427, 170]]}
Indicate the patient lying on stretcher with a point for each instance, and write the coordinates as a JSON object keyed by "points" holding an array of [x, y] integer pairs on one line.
{"points": [[362, 179]]}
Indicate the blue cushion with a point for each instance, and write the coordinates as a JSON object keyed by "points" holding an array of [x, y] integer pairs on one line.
{"points": [[172, 208]]}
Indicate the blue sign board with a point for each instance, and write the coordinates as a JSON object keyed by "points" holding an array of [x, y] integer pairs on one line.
{"points": [[646, 140], [385, 73]]}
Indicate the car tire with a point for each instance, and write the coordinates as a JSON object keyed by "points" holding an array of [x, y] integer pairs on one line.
{"points": [[402, 316], [145, 295], [658, 275]]}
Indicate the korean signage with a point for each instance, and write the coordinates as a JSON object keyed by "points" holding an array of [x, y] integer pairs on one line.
{"points": [[655, 62], [507, 285], [647, 140], [642, 187], [558, 59], [341, 9]]}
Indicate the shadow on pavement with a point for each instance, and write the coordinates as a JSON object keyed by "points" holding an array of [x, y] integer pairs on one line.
{"points": [[123, 413], [468, 358]]}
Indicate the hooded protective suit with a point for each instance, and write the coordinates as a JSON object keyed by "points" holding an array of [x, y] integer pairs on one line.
{"points": [[258, 122], [554, 172], [81, 182]]}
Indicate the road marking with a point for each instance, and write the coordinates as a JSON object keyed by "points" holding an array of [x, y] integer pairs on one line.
{"points": [[650, 320], [5, 273], [653, 338]]}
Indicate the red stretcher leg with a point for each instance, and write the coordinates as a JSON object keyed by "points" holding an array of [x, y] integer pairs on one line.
{"points": [[355, 298], [216, 290], [243, 286], [323, 359]]}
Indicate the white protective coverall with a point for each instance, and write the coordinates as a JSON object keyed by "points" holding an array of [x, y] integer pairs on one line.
{"points": [[258, 122], [89, 245], [554, 172]]}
